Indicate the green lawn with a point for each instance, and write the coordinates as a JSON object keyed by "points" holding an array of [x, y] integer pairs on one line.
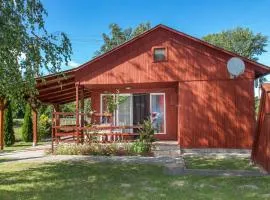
{"points": [[19, 144], [84, 180], [207, 162], [17, 126]]}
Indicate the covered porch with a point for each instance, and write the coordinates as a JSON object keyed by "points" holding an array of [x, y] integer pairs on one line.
{"points": [[155, 101]]}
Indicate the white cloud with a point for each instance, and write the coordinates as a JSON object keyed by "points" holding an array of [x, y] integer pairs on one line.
{"points": [[73, 64]]}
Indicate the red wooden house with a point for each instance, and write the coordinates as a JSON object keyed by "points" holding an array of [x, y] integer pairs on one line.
{"points": [[181, 82]]}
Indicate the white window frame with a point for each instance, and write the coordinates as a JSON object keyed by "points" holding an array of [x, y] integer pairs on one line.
{"points": [[164, 96], [131, 109], [115, 113]]}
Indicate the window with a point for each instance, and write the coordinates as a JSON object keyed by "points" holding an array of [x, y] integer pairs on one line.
{"points": [[123, 113], [157, 109], [159, 54]]}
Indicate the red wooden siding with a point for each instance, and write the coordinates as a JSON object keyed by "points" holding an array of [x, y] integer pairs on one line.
{"points": [[261, 146], [216, 114], [134, 64], [214, 110]]}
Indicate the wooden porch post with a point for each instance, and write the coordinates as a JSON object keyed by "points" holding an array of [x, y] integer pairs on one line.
{"points": [[82, 111], [34, 121], [77, 112], [55, 122], [1, 126]]}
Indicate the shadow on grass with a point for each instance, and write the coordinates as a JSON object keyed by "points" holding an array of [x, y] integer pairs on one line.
{"points": [[230, 163], [84, 180], [16, 146]]}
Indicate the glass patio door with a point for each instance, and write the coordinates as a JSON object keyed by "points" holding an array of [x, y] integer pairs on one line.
{"points": [[157, 109]]}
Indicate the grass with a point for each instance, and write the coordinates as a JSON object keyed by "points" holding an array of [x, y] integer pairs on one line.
{"points": [[19, 144], [84, 180], [17, 126], [207, 162]]}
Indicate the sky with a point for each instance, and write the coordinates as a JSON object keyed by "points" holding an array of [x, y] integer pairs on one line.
{"points": [[84, 21]]}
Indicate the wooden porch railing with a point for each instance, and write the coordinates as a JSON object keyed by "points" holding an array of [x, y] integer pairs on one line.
{"points": [[89, 129]]}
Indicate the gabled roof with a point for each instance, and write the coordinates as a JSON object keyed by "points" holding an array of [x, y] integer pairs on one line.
{"points": [[258, 67], [54, 82]]}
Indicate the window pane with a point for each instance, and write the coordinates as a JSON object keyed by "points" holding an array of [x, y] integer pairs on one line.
{"points": [[124, 111], [158, 112], [159, 54], [104, 107]]}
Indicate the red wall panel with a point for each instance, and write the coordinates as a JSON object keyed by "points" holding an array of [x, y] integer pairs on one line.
{"points": [[217, 114], [261, 146]]}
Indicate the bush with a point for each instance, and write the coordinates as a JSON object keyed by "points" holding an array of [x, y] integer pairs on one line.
{"points": [[147, 132], [139, 147], [112, 149], [144, 144], [27, 129], [44, 126], [9, 136]]}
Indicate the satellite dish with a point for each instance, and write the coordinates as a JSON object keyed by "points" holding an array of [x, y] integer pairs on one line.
{"points": [[236, 66]]}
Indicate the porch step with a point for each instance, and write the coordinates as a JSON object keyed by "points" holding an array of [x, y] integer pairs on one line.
{"points": [[167, 149]]}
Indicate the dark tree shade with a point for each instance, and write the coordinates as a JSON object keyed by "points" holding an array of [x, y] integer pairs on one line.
{"points": [[9, 136], [27, 129]]}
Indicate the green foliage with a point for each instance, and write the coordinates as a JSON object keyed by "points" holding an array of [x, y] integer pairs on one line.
{"points": [[111, 149], [45, 110], [140, 147], [27, 129], [146, 138], [113, 100], [18, 109], [27, 49], [118, 36], [44, 126], [9, 136], [68, 107], [241, 41], [147, 132], [87, 105]]}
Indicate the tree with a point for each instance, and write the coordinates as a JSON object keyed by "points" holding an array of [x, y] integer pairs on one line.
{"points": [[118, 36], [27, 129], [241, 41], [9, 136], [27, 49]]}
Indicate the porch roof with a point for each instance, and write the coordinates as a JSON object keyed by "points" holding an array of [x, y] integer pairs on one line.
{"points": [[58, 88]]}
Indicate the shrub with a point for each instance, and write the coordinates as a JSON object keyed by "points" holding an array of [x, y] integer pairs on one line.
{"points": [[44, 126], [147, 132], [145, 142], [27, 129], [94, 149], [9, 136], [139, 147]]}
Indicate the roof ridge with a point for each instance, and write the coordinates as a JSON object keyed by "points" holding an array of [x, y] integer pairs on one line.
{"points": [[264, 67]]}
